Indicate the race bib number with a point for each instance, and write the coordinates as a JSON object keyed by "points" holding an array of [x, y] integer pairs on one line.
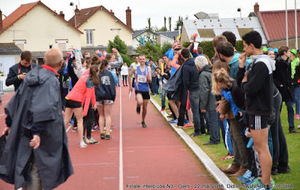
{"points": [[142, 79]]}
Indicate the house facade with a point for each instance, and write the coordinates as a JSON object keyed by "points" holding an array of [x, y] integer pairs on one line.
{"points": [[100, 25], [37, 28]]}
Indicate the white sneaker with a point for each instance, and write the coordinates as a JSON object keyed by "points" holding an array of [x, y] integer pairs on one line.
{"points": [[82, 144]]}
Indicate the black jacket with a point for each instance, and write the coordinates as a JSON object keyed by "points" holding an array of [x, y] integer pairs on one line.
{"points": [[107, 87], [14, 71], [190, 75], [37, 102], [282, 76], [259, 86]]}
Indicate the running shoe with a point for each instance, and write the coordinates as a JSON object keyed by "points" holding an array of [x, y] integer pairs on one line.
{"points": [[91, 141], [83, 145], [74, 129], [228, 156], [95, 128], [174, 121], [246, 176], [188, 125], [144, 124], [107, 137], [102, 135], [163, 109], [138, 109]]}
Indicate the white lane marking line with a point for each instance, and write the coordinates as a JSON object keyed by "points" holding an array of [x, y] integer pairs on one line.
{"points": [[2, 114], [121, 147]]}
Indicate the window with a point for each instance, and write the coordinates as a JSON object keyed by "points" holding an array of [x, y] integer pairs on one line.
{"points": [[243, 31], [206, 33], [89, 37], [62, 44]]}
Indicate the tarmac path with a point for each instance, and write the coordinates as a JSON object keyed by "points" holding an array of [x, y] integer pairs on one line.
{"points": [[136, 158]]}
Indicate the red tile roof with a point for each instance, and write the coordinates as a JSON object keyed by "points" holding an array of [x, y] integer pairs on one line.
{"points": [[85, 14], [22, 11], [273, 24]]}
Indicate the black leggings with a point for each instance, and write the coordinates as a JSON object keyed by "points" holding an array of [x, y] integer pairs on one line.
{"points": [[88, 122], [124, 80]]}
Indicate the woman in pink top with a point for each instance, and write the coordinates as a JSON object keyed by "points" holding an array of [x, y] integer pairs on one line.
{"points": [[82, 94]]}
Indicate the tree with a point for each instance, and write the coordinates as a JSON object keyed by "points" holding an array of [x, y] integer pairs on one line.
{"points": [[170, 23], [120, 45], [150, 51], [149, 23], [165, 22]]}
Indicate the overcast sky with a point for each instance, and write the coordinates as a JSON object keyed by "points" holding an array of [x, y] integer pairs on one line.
{"points": [[158, 9]]}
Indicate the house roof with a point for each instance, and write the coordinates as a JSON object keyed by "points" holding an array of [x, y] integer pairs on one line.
{"points": [[9, 49], [140, 32], [207, 29], [85, 14], [22, 11], [170, 34], [273, 23]]}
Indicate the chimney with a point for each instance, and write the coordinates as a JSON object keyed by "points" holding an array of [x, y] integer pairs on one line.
{"points": [[61, 14], [128, 17], [112, 12], [1, 22], [256, 8], [77, 13]]}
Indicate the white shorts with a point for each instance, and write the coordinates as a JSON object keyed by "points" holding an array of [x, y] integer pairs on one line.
{"points": [[104, 102]]}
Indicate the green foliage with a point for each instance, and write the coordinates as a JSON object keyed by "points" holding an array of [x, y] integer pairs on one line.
{"points": [[185, 44], [118, 44], [126, 58], [239, 46], [150, 51], [208, 48], [165, 47]]}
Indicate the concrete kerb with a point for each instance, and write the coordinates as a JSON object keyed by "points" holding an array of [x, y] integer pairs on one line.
{"points": [[220, 177]]}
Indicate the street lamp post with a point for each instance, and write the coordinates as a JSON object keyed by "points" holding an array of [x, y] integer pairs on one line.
{"points": [[240, 10]]}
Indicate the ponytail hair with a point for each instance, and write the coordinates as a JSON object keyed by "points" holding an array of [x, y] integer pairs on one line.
{"points": [[223, 77], [93, 74], [104, 64], [95, 60]]}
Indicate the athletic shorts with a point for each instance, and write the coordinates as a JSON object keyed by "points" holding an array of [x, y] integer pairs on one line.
{"points": [[73, 104], [145, 95], [104, 102], [257, 122]]}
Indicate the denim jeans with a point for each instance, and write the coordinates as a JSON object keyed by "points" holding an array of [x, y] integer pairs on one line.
{"points": [[153, 85], [297, 99], [213, 126], [194, 102], [289, 105], [280, 151], [163, 99]]}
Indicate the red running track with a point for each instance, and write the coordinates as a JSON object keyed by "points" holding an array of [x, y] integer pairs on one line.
{"points": [[146, 158]]}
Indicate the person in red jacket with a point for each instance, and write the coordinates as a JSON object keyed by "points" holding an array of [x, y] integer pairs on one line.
{"points": [[82, 94]]}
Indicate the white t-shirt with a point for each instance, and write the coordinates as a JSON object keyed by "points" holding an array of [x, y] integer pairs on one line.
{"points": [[124, 70]]}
